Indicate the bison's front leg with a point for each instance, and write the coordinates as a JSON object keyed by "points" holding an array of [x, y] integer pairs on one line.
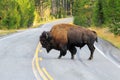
{"points": [[63, 52], [73, 51]]}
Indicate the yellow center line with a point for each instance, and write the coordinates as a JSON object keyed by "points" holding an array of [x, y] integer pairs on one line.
{"points": [[40, 59], [34, 70], [37, 64], [48, 75], [42, 71]]}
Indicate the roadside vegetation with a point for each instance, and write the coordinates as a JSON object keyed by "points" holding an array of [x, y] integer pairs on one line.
{"points": [[99, 13], [23, 14], [105, 34], [5, 32]]}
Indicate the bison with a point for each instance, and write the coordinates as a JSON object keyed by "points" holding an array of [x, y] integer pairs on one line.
{"points": [[65, 37]]}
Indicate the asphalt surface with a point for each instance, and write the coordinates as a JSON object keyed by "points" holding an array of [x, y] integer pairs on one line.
{"points": [[22, 59], [16, 53]]}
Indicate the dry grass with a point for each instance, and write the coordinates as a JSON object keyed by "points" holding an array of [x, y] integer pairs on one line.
{"points": [[5, 32], [105, 34]]}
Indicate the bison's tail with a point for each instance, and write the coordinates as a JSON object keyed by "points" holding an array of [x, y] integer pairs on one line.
{"points": [[96, 36], [96, 39]]}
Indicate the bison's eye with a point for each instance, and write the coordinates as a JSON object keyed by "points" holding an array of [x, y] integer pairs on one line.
{"points": [[44, 43]]}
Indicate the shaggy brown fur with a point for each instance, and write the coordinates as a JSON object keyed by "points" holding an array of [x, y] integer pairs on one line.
{"points": [[82, 36], [59, 33]]}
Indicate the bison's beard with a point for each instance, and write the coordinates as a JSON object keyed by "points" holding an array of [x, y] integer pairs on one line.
{"points": [[48, 50]]}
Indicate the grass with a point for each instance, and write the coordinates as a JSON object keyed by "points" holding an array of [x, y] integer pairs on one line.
{"points": [[5, 32], [105, 34]]}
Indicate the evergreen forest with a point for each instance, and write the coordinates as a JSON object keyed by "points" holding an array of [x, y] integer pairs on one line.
{"points": [[16, 14]]}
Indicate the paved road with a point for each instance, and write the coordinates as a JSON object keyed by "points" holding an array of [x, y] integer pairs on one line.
{"points": [[16, 53], [22, 59]]}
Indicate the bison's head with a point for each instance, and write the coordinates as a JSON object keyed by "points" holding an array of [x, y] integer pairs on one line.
{"points": [[45, 40]]}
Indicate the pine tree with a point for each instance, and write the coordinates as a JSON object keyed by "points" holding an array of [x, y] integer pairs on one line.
{"points": [[82, 12], [98, 13], [9, 11]]}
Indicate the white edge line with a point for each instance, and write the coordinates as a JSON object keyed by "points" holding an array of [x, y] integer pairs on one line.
{"points": [[107, 57]]}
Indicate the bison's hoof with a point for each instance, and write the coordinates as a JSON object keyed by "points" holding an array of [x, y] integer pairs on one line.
{"points": [[59, 57], [90, 58], [72, 58]]}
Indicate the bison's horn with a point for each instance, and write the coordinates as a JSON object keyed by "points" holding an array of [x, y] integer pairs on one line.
{"points": [[46, 35]]}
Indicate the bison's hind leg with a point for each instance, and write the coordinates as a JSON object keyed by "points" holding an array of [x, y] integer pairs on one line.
{"points": [[73, 51], [92, 48], [59, 56]]}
